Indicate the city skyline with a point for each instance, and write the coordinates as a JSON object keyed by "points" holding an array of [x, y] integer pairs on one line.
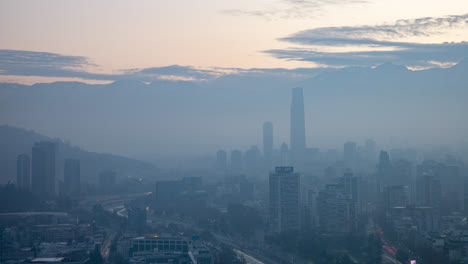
{"points": [[234, 132]]}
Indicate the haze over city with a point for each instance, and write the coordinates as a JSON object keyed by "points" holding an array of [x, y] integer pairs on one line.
{"points": [[216, 131]]}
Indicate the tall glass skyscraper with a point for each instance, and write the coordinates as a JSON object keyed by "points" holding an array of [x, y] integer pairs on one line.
{"points": [[43, 168], [297, 133]]}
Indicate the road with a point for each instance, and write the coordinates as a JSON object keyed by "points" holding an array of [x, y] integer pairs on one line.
{"points": [[116, 204]]}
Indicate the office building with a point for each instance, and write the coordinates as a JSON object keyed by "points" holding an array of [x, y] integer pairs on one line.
{"points": [[396, 196], [297, 132], [43, 168], [339, 205], [384, 170], [284, 206]]}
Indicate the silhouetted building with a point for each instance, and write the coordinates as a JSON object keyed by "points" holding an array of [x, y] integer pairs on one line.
{"points": [[384, 170], [297, 133], [236, 162], [396, 196], [432, 191], [401, 173], [71, 176], [284, 206], [107, 180], [451, 187], [352, 188], [268, 144], [350, 154], [137, 219], [337, 213], [339, 205], [23, 171], [428, 185], [221, 160], [43, 168]]}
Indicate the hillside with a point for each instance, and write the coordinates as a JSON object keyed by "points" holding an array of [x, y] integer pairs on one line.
{"points": [[15, 141]]}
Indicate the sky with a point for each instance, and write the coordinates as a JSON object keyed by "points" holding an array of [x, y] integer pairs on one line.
{"points": [[110, 39], [231, 53]]}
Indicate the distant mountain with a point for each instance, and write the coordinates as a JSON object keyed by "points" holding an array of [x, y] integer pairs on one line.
{"points": [[15, 141], [388, 102]]}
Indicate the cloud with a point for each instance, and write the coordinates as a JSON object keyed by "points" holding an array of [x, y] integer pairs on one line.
{"points": [[187, 72], [381, 43], [287, 9], [44, 64]]}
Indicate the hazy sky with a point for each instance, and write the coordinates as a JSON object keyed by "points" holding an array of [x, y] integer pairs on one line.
{"points": [[117, 35], [241, 58]]}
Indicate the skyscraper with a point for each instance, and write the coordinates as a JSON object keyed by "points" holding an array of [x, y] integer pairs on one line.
{"points": [[43, 168], [297, 133], [23, 170], [236, 162], [71, 176], [384, 170], [284, 207], [268, 144], [339, 205], [221, 160]]}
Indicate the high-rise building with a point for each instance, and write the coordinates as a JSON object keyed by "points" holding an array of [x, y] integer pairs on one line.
{"points": [[350, 154], [236, 162], [297, 133], [428, 185], [284, 207], [352, 189], [71, 176], [396, 196], [43, 168], [384, 170], [402, 171], [268, 144], [23, 171], [221, 160], [339, 205]]}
